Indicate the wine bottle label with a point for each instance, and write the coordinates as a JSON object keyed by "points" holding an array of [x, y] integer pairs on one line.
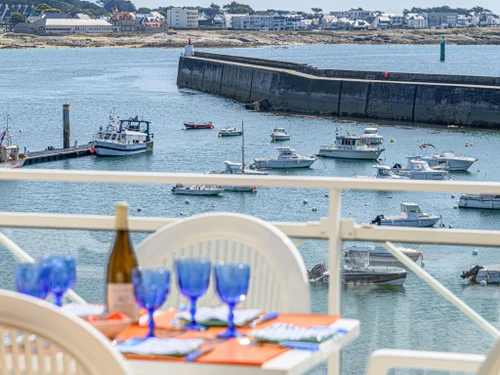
{"points": [[121, 298]]}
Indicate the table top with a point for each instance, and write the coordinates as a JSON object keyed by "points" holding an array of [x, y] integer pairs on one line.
{"points": [[242, 355]]}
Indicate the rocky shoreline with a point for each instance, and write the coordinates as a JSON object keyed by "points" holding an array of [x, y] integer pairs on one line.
{"points": [[231, 38]]}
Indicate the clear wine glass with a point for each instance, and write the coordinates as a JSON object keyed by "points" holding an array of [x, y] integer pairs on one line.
{"points": [[231, 283], [151, 288], [33, 279], [193, 277], [62, 276]]}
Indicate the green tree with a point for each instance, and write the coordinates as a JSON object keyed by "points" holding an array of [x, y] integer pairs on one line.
{"points": [[43, 8], [90, 12], [144, 10], [310, 16], [237, 8], [163, 13], [16, 18], [317, 10], [122, 5]]}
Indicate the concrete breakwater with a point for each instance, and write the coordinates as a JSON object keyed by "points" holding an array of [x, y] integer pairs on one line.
{"points": [[299, 88]]}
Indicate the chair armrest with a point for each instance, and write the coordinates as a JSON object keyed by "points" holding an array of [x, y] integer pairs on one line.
{"points": [[383, 360]]}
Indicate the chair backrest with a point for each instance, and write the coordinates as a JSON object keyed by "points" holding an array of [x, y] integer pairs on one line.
{"points": [[491, 365], [278, 276], [60, 343]]}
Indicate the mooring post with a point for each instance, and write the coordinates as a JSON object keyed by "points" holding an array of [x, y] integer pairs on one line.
{"points": [[66, 128], [443, 48]]}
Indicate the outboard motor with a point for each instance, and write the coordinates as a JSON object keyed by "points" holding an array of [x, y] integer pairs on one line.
{"points": [[378, 219], [472, 273]]}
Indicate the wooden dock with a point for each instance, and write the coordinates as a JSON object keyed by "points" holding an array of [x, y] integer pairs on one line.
{"points": [[55, 154]]}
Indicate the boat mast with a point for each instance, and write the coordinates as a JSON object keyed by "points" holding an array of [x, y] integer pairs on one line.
{"points": [[242, 148], [6, 134]]}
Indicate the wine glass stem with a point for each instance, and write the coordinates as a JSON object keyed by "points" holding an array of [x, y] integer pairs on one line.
{"points": [[193, 310], [151, 323], [230, 319], [58, 299]]}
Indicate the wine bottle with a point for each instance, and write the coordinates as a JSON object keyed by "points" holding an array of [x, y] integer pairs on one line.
{"points": [[120, 291]]}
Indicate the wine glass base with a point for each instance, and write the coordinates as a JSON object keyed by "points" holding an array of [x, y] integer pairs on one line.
{"points": [[229, 334], [193, 326]]}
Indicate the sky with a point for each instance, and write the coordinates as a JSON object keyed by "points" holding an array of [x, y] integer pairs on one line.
{"points": [[390, 6]]}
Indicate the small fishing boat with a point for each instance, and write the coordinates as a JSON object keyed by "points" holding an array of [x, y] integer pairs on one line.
{"points": [[287, 158], [383, 171], [372, 137], [279, 134], [9, 153], [197, 190], [192, 125], [236, 168], [445, 160], [360, 273], [418, 169], [483, 274], [411, 216], [230, 132], [350, 146], [474, 200], [123, 137], [380, 255]]}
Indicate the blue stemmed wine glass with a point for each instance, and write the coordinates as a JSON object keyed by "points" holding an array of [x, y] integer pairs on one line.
{"points": [[193, 277], [231, 283], [151, 288], [62, 276], [33, 279]]}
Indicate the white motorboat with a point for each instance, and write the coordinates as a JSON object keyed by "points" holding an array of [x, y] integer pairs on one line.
{"points": [[279, 134], [287, 158], [197, 190], [360, 273], [372, 137], [237, 168], [418, 169], [411, 216], [350, 146], [384, 171], [380, 255], [126, 137], [230, 132], [9, 153], [483, 274], [446, 160], [474, 200]]}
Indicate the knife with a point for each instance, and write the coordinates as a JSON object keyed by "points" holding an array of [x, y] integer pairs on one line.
{"points": [[264, 318], [198, 353]]}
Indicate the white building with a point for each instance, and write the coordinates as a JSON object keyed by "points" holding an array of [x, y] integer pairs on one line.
{"points": [[353, 14], [381, 23], [178, 18], [257, 22], [53, 26], [415, 21]]}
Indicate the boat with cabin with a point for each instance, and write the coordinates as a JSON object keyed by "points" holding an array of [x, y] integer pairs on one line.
{"points": [[350, 146], [192, 125], [418, 169], [238, 169], [10, 157], [230, 132], [475, 200], [411, 216], [383, 171], [287, 158], [280, 134], [123, 137], [372, 137], [197, 190], [380, 255], [360, 273], [483, 274], [445, 160]]}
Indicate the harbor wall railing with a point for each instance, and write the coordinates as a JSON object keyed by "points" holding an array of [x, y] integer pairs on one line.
{"points": [[333, 228], [299, 88]]}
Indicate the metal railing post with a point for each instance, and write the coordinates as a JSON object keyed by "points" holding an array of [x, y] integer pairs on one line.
{"points": [[335, 266]]}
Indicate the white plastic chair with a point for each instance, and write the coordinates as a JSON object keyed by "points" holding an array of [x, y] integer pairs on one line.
{"points": [[383, 360], [60, 343], [278, 276]]}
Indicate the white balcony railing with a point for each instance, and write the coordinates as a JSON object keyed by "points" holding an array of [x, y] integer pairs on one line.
{"points": [[333, 228]]}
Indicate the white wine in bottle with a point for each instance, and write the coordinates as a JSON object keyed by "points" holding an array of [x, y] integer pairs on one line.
{"points": [[120, 291]]}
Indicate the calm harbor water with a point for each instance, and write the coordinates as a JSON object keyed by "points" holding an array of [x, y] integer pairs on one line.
{"points": [[35, 83]]}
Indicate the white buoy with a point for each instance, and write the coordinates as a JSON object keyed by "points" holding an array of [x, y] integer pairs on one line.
{"points": [[455, 207], [315, 209], [483, 283], [213, 205], [305, 201], [449, 226], [390, 197], [422, 264], [453, 196], [326, 195], [227, 196], [182, 213], [187, 201], [475, 251], [139, 209]]}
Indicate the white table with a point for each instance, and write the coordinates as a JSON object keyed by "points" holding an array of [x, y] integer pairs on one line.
{"points": [[292, 362]]}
